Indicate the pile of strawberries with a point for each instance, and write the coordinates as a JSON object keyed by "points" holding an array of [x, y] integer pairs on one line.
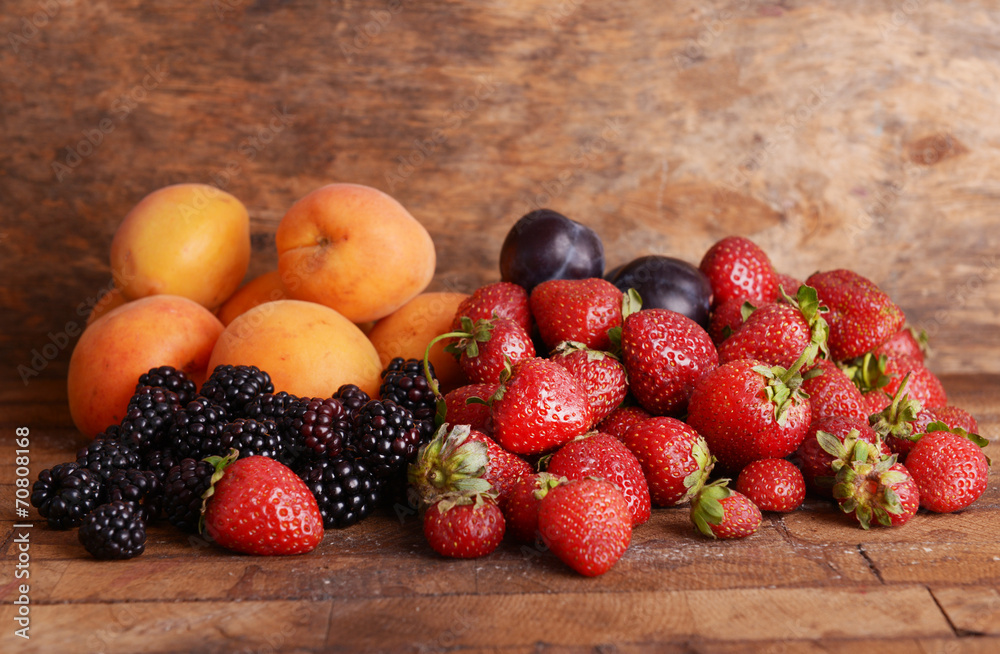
{"points": [[584, 410]]}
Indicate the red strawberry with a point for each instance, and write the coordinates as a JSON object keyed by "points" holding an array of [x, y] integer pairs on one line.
{"points": [[538, 407], [861, 316], [832, 393], [817, 456], [452, 462], [576, 310], [875, 401], [720, 512], [619, 420], [484, 348], [464, 527], [953, 416], [773, 485], [673, 456], [895, 424], [586, 523], [727, 317], [924, 386], [503, 468], [606, 457], [664, 354], [787, 284], [520, 508], [259, 506], [778, 333], [475, 414], [601, 374], [736, 267], [870, 486], [906, 342], [747, 410], [949, 468], [501, 299]]}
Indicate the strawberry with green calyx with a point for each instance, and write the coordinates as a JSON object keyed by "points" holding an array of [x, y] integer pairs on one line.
{"points": [[501, 299], [828, 444], [861, 316], [747, 410], [464, 525], [451, 462], [778, 333], [949, 468], [907, 342], [831, 392], [720, 512], [871, 487], [673, 456], [483, 346], [600, 373], [580, 310], [520, 507], [894, 424], [461, 411], [259, 506], [951, 415], [586, 523], [727, 318]]}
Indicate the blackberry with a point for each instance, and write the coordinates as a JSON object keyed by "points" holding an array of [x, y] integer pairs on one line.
{"points": [[159, 462], [149, 416], [345, 489], [182, 491], [65, 493], [316, 428], [385, 437], [270, 406], [103, 457], [352, 397], [251, 437], [171, 379], [234, 387], [142, 488], [197, 428], [114, 531], [404, 383]]}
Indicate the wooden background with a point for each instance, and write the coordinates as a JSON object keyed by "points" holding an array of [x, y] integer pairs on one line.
{"points": [[834, 133]]}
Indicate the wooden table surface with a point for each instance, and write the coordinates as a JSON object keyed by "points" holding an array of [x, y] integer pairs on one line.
{"points": [[835, 134]]}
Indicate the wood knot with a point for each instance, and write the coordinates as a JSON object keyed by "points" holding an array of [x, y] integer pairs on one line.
{"points": [[934, 149]]}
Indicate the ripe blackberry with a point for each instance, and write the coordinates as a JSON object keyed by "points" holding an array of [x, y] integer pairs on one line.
{"points": [[270, 406], [139, 487], [352, 397], [234, 387], [316, 428], [114, 531], [148, 418], [103, 457], [186, 482], [196, 429], [251, 437], [171, 379], [65, 493], [345, 489], [404, 383], [159, 462], [385, 437]]}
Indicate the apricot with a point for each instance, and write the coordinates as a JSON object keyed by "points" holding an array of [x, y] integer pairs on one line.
{"points": [[110, 300], [121, 345], [407, 331], [191, 240], [308, 349], [354, 249], [260, 289]]}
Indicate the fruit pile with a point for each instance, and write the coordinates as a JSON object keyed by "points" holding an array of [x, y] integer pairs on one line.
{"points": [[570, 403]]}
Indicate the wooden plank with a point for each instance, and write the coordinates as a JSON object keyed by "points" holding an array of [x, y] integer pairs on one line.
{"points": [[972, 610]]}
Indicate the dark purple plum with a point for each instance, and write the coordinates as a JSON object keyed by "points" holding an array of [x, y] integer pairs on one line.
{"points": [[667, 283], [544, 245]]}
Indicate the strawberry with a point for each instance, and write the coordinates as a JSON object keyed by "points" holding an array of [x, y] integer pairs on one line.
{"points": [[673, 456], [453, 461], [787, 284], [576, 310], [664, 354], [463, 526], [586, 523], [895, 424], [875, 401], [460, 411], [483, 348], [924, 386], [601, 374], [772, 484], [819, 458], [606, 457], [951, 415], [619, 420], [538, 407], [906, 342], [520, 508], [949, 468], [861, 316], [500, 299], [737, 267], [503, 468], [727, 317], [747, 410], [778, 333], [720, 512], [257, 505], [871, 486], [832, 393]]}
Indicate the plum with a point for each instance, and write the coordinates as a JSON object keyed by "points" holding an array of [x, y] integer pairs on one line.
{"points": [[667, 283], [544, 245]]}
